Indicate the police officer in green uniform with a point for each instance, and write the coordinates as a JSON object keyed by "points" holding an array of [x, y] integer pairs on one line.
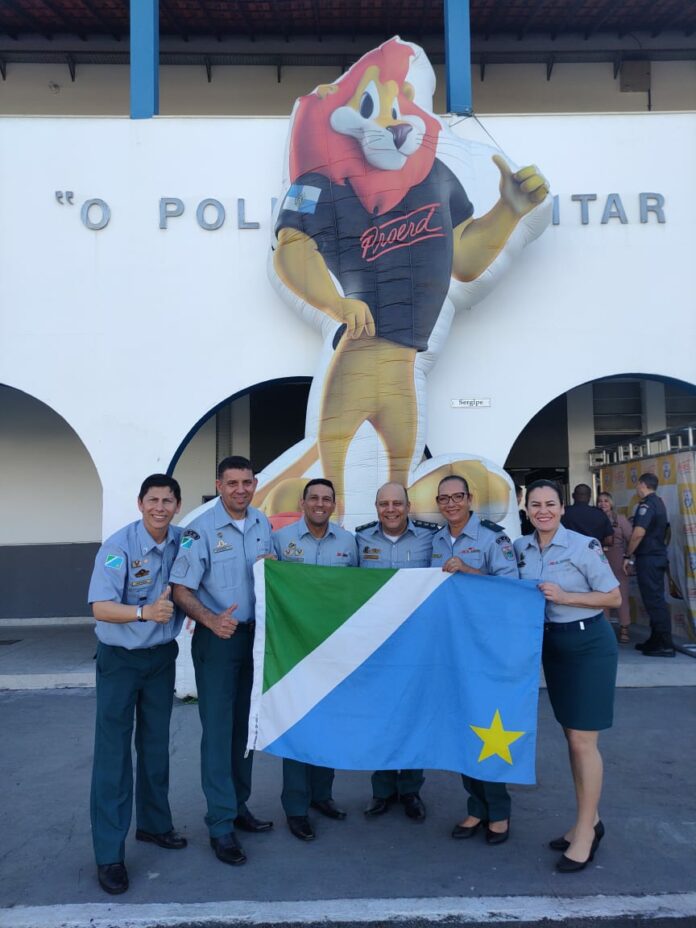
{"points": [[213, 584], [470, 545], [136, 628], [647, 551], [312, 540], [395, 540]]}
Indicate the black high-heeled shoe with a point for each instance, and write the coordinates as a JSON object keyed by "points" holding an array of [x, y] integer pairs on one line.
{"points": [[568, 865], [562, 844]]}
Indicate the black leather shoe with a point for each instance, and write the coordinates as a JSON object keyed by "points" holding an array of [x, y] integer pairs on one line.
{"points": [[328, 808], [660, 649], [227, 849], [380, 806], [113, 878], [300, 826], [413, 806], [248, 822], [497, 837], [171, 839], [562, 844], [467, 831], [648, 643]]}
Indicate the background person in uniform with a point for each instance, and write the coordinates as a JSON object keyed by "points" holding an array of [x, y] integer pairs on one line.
{"points": [[214, 586], [579, 653], [137, 625], [648, 552], [312, 540], [621, 532], [470, 545], [586, 519], [395, 540]]}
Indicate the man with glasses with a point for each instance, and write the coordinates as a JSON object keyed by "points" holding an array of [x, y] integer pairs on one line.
{"points": [[312, 540], [470, 545], [395, 540]]}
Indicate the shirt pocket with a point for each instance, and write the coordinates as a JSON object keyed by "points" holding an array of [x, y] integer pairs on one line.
{"points": [[226, 567]]}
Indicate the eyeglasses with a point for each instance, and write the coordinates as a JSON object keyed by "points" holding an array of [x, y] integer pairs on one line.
{"points": [[451, 498]]}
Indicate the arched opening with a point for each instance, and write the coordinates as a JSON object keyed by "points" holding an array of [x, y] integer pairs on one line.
{"points": [[556, 443], [259, 423], [51, 500]]}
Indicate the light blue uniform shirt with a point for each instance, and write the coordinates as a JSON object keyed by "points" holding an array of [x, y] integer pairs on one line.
{"points": [[573, 561], [296, 543], [216, 560], [477, 546], [130, 568], [412, 549]]}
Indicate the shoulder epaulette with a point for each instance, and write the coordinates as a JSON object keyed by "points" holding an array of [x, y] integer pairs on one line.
{"points": [[421, 523], [493, 526], [361, 528]]}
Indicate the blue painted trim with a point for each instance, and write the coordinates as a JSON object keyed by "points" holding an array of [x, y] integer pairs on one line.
{"points": [[458, 57], [144, 58]]}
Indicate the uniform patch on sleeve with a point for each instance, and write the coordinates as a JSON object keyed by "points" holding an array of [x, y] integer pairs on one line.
{"points": [[186, 542], [190, 533], [180, 568], [302, 198], [595, 546], [642, 510], [115, 561], [503, 540]]}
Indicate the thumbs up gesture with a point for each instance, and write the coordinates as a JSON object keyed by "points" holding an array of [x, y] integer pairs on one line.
{"points": [[523, 189], [162, 609], [223, 625]]}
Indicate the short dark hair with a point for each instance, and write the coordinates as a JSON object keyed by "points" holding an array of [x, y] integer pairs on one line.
{"points": [[233, 462], [462, 480], [582, 492], [319, 481], [539, 484], [650, 481], [160, 480]]}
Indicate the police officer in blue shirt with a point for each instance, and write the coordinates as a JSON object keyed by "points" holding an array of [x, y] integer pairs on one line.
{"points": [[647, 550], [213, 584], [312, 540], [136, 629], [395, 540], [470, 545]]}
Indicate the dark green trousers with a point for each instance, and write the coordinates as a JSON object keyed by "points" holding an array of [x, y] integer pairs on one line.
{"points": [[386, 783], [302, 784], [487, 801], [224, 672], [131, 685]]}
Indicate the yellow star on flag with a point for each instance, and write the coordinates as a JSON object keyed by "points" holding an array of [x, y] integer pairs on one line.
{"points": [[496, 740]]}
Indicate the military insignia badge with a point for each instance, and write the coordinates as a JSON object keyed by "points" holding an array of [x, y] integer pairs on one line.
{"points": [[114, 561]]}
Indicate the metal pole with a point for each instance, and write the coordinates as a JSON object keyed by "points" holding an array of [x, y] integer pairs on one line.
{"points": [[458, 57], [144, 58]]}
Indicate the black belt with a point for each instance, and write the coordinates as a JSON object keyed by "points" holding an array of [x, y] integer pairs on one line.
{"points": [[250, 624], [572, 626]]}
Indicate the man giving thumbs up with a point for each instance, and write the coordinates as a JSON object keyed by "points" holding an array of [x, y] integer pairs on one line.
{"points": [[137, 624], [213, 584]]}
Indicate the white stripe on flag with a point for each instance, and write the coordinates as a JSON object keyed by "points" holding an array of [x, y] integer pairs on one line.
{"points": [[292, 697]]}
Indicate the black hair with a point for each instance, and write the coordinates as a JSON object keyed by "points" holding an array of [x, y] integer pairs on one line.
{"points": [[160, 480], [319, 481], [233, 462], [539, 484], [650, 481], [462, 480]]}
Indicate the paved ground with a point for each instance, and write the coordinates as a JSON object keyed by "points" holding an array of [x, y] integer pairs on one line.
{"points": [[356, 870]]}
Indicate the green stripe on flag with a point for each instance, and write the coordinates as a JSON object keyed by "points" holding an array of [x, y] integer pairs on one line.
{"points": [[305, 604]]}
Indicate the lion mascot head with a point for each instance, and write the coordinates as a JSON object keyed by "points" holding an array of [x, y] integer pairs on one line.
{"points": [[365, 124]]}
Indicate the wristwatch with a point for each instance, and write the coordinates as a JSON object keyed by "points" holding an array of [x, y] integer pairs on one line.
{"points": [[139, 614]]}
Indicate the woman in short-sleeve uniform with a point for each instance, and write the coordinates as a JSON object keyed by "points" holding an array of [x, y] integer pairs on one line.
{"points": [[579, 653]]}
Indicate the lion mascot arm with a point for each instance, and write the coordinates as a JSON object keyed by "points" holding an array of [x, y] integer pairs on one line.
{"points": [[478, 242], [300, 266]]}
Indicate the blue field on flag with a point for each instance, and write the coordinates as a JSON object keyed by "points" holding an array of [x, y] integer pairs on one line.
{"points": [[455, 687]]}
